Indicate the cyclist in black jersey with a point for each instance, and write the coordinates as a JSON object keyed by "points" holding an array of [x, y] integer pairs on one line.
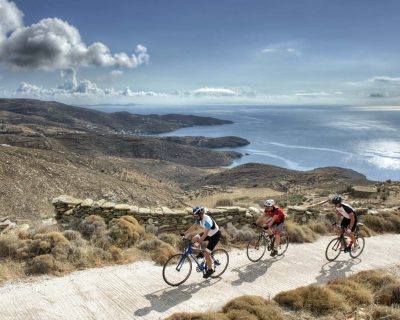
{"points": [[348, 219]]}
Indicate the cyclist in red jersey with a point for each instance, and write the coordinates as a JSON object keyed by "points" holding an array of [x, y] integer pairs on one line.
{"points": [[274, 219]]}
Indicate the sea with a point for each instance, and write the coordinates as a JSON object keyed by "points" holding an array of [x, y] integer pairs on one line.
{"points": [[365, 139]]}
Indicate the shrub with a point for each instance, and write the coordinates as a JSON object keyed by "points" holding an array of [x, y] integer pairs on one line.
{"points": [[299, 233], [224, 202], [314, 298], [352, 292], [241, 235], [389, 294], [9, 246], [386, 313], [94, 228], [125, 231], [44, 264], [158, 250], [378, 223], [318, 226], [256, 306], [171, 239], [374, 279]]}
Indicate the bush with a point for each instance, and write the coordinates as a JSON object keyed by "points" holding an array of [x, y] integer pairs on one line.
{"points": [[171, 239], [224, 203], [94, 228], [374, 279], [242, 235], [256, 306], [319, 226], [44, 264], [378, 223], [299, 233], [386, 313], [351, 291], [125, 231], [388, 295], [317, 299], [158, 250]]}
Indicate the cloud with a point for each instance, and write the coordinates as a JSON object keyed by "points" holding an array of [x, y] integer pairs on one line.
{"points": [[10, 17], [55, 44], [216, 92], [116, 73], [385, 79], [377, 95], [318, 94], [282, 48]]}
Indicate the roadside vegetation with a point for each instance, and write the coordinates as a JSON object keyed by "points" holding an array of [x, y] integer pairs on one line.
{"points": [[93, 243], [368, 295]]}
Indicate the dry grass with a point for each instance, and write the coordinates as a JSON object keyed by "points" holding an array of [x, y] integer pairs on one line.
{"points": [[158, 250], [319, 226], [246, 308], [374, 293], [384, 222], [299, 233], [125, 231], [314, 298]]}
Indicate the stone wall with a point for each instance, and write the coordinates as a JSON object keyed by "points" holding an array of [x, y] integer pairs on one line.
{"points": [[69, 209]]}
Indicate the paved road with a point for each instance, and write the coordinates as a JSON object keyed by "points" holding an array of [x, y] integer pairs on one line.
{"points": [[137, 291]]}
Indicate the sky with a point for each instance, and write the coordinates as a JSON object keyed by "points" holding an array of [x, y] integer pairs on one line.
{"points": [[201, 52]]}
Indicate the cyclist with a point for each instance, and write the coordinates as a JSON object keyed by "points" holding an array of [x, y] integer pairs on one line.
{"points": [[349, 219], [211, 233], [274, 220]]}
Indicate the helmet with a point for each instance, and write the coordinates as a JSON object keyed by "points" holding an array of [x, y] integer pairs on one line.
{"points": [[336, 199], [269, 202], [197, 210]]}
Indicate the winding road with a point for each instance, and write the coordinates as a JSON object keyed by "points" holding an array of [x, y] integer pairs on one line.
{"points": [[137, 291]]}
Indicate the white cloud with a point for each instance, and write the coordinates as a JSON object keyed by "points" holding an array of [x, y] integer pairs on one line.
{"points": [[55, 44], [116, 73], [10, 17], [282, 48], [318, 94], [385, 79], [216, 92]]}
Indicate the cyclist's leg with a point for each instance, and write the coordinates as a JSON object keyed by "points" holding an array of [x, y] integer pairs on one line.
{"points": [[212, 243], [278, 233]]}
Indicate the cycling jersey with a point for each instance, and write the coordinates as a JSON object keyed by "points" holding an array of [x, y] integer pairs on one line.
{"points": [[208, 223], [276, 211], [345, 210]]}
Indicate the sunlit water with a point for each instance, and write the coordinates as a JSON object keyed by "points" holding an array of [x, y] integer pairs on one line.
{"points": [[364, 139]]}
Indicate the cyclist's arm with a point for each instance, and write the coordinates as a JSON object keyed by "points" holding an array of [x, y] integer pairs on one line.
{"points": [[205, 233], [191, 229], [272, 220]]}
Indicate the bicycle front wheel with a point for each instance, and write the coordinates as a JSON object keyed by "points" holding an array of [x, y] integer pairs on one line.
{"points": [[358, 247], [220, 259], [283, 245], [177, 270], [256, 248], [333, 249]]}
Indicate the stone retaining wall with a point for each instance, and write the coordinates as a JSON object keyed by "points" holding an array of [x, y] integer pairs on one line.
{"points": [[69, 209]]}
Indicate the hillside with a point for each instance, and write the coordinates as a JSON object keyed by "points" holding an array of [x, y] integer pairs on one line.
{"points": [[55, 114], [264, 175]]}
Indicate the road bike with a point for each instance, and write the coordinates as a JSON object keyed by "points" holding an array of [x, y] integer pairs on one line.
{"points": [[178, 268], [257, 247], [338, 244]]}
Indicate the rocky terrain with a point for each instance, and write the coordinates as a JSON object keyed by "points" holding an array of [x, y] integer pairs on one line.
{"points": [[264, 175], [207, 142], [54, 114]]}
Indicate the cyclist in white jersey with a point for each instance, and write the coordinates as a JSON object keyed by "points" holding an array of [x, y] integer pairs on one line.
{"points": [[211, 234], [349, 218]]}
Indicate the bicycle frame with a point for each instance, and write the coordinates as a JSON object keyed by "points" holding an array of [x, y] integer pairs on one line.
{"points": [[189, 252]]}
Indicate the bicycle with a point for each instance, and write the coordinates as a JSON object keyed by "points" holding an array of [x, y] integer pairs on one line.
{"points": [[338, 244], [178, 268], [256, 247]]}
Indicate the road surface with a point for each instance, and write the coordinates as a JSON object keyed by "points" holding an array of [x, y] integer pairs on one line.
{"points": [[137, 291]]}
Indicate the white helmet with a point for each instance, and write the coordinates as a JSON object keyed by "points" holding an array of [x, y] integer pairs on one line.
{"points": [[269, 202]]}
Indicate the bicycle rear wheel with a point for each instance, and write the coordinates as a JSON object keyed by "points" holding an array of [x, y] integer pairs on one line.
{"points": [[283, 245], [333, 249], [177, 270], [256, 248], [221, 260], [358, 247]]}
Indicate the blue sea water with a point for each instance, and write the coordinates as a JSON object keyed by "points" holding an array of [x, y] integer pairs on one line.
{"points": [[366, 139]]}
